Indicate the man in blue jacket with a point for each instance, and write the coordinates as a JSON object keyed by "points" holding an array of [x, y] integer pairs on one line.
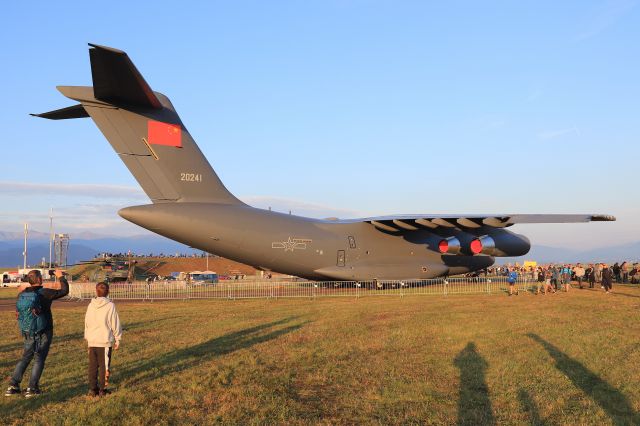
{"points": [[37, 346], [512, 278]]}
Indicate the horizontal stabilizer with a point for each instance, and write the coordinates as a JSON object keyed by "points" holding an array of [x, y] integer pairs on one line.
{"points": [[116, 79], [75, 111]]}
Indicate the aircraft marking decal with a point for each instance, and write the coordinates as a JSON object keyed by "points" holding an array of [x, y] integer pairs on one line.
{"points": [[291, 244]]}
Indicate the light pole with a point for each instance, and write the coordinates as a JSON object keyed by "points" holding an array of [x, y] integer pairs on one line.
{"points": [[50, 236], [24, 253]]}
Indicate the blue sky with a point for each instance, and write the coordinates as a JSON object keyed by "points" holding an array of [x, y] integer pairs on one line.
{"points": [[345, 108]]}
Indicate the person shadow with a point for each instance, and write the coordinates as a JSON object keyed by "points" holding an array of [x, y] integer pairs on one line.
{"points": [[611, 400], [530, 407], [165, 363], [474, 405]]}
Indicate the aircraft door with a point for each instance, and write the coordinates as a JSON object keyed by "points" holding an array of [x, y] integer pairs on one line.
{"points": [[341, 258]]}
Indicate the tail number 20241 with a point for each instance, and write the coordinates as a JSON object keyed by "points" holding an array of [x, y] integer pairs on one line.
{"points": [[191, 177]]}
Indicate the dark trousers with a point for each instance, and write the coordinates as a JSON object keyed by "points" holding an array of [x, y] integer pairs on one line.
{"points": [[34, 347], [607, 285], [99, 360]]}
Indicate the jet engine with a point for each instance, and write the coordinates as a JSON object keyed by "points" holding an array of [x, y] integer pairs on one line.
{"points": [[450, 245], [500, 243]]}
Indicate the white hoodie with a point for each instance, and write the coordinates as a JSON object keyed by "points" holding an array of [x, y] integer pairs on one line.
{"points": [[101, 323]]}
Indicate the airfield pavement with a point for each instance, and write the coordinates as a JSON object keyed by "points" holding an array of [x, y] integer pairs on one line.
{"points": [[466, 359]]}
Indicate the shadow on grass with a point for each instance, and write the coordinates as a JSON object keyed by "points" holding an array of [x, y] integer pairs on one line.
{"points": [[612, 401], [614, 292], [166, 363], [529, 406], [182, 359], [18, 343], [474, 405]]}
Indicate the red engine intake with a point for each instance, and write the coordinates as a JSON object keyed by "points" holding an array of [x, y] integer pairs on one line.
{"points": [[483, 245], [450, 245]]}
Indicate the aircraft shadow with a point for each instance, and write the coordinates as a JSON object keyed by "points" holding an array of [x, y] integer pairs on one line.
{"points": [[182, 359], [474, 405], [612, 401], [167, 363]]}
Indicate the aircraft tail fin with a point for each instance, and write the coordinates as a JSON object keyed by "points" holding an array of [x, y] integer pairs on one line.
{"points": [[144, 129]]}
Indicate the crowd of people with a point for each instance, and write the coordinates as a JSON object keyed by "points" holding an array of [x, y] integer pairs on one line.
{"points": [[109, 255], [555, 277]]}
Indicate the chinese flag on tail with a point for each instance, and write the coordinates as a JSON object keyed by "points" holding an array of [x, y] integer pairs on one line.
{"points": [[160, 133]]}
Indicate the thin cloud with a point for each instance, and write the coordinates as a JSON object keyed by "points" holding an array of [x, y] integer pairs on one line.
{"points": [[605, 17], [29, 189], [555, 134]]}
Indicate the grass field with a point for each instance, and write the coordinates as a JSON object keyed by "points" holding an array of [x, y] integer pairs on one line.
{"points": [[483, 359], [8, 293]]}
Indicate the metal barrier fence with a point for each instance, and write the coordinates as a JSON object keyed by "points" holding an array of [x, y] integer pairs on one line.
{"points": [[239, 289]]}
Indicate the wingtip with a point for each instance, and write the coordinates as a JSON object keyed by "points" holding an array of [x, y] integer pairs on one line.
{"points": [[603, 218]]}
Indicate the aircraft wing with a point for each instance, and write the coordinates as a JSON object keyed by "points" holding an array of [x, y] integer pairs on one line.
{"points": [[416, 222]]}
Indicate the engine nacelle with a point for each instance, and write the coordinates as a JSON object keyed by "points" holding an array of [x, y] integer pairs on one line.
{"points": [[501, 243], [450, 245]]}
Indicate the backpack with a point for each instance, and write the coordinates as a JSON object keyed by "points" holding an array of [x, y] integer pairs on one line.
{"points": [[512, 277], [31, 320]]}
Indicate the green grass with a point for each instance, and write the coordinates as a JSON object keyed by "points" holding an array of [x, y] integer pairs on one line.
{"points": [[8, 293], [483, 359]]}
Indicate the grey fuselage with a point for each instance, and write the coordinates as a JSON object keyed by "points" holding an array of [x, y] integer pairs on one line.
{"points": [[300, 246]]}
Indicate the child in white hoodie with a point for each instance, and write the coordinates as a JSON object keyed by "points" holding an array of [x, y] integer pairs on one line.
{"points": [[103, 332]]}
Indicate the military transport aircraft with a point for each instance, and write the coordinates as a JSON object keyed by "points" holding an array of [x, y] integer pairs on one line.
{"points": [[191, 205]]}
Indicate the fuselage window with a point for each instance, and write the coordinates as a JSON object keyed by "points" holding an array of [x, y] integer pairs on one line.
{"points": [[352, 242]]}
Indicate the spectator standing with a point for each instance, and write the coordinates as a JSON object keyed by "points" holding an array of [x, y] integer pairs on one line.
{"points": [[555, 277], [512, 277], [36, 345], [598, 272], [541, 281], [590, 275], [579, 271], [607, 278], [566, 277], [616, 271], [102, 331], [624, 269]]}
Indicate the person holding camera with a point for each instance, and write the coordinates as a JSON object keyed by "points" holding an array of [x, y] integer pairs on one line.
{"points": [[35, 320]]}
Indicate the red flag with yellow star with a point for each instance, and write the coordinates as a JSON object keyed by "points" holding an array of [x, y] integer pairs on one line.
{"points": [[160, 133]]}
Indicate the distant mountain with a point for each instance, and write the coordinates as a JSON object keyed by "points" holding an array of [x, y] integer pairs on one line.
{"points": [[545, 254], [35, 235], [12, 257], [12, 243]]}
